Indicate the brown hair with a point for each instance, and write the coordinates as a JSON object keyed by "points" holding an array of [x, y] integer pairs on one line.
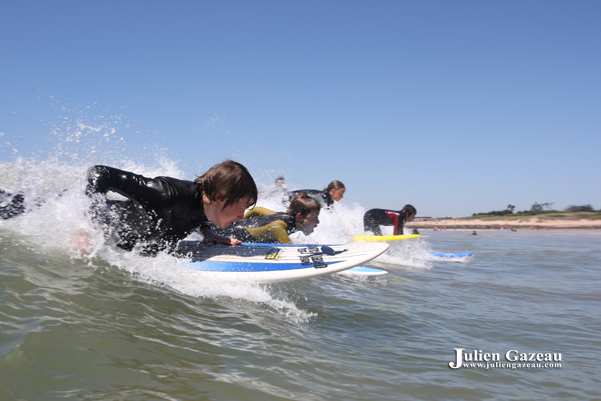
{"points": [[408, 211], [229, 181], [334, 185], [303, 204]]}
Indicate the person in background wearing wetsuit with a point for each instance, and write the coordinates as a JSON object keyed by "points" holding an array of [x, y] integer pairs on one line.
{"points": [[161, 211], [374, 218], [266, 226], [14, 204], [11, 205], [280, 183], [326, 198], [279, 192]]}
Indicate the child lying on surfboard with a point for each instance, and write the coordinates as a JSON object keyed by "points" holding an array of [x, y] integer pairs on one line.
{"points": [[266, 226], [334, 192], [374, 218], [158, 212]]}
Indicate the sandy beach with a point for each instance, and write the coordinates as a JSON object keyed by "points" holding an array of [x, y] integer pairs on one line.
{"points": [[538, 222]]}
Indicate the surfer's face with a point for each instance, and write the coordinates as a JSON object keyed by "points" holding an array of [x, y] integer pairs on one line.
{"points": [[231, 213], [337, 194], [308, 224]]}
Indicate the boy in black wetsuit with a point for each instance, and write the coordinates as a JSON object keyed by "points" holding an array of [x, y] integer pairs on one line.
{"points": [[160, 211], [374, 218]]}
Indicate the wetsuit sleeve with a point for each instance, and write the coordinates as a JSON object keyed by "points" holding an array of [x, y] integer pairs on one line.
{"points": [[258, 211], [397, 222], [150, 192], [371, 222], [270, 232]]}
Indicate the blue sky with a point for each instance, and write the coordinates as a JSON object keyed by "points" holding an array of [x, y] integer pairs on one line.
{"points": [[456, 107]]}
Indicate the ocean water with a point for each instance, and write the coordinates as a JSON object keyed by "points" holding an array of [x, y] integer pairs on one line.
{"points": [[113, 325]]}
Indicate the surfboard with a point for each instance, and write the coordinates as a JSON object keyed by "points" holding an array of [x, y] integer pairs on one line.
{"points": [[451, 255], [363, 271], [271, 263], [384, 238]]}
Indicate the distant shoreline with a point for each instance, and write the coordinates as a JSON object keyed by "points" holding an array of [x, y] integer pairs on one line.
{"points": [[538, 222]]}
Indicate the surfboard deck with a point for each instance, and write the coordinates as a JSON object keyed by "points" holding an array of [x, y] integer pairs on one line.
{"points": [[270, 263], [384, 238], [451, 255], [363, 271]]}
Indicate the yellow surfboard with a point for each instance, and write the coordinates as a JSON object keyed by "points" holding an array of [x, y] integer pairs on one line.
{"points": [[383, 238]]}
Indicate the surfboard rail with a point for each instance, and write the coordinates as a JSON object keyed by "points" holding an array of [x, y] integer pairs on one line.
{"points": [[383, 238]]}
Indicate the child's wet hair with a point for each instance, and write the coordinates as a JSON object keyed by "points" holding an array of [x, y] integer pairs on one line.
{"points": [[230, 181], [303, 204]]}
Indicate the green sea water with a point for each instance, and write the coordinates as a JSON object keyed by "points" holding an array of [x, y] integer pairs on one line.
{"points": [[121, 327]]}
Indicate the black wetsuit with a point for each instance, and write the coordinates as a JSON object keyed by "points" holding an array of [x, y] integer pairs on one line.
{"points": [[159, 211], [322, 197], [238, 228], [374, 218], [11, 205]]}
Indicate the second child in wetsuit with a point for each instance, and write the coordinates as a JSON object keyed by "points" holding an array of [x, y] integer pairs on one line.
{"points": [[374, 218], [266, 226], [326, 198]]}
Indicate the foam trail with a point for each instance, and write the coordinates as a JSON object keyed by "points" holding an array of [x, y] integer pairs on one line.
{"points": [[408, 253]]}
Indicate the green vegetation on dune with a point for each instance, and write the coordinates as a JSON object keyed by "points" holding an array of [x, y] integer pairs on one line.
{"points": [[581, 212], [548, 214]]}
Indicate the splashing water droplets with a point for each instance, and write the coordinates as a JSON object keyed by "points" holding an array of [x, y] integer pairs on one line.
{"points": [[57, 222]]}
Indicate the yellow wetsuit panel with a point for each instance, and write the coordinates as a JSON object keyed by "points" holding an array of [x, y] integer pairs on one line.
{"points": [[258, 211], [273, 231]]}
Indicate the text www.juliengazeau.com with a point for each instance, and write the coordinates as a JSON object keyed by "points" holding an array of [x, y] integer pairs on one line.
{"points": [[509, 365]]}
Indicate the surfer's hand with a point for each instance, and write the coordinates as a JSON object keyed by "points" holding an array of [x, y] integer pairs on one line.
{"points": [[211, 237], [82, 242], [227, 241], [233, 241]]}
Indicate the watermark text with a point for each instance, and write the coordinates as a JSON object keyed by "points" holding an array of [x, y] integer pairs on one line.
{"points": [[513, 359]]}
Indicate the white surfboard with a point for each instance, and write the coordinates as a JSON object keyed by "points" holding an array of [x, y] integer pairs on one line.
{"points": [[270, 263]]}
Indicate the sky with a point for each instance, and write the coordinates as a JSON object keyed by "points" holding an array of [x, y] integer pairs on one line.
{"points": [[456, 107]]}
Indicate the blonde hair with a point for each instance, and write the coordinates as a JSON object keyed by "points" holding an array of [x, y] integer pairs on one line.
{"points": [[334, 185]]}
